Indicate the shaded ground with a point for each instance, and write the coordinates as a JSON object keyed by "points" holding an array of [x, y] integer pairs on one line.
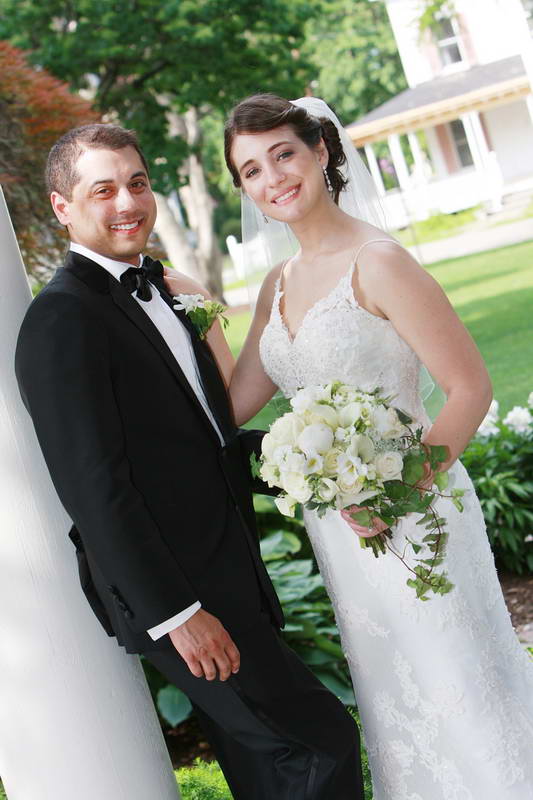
{"points": [[187, 741]]}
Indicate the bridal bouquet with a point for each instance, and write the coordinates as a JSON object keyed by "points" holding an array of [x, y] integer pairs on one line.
{"points": [[339, 447]]}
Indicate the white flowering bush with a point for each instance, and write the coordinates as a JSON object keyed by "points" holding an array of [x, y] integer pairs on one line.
{"points": [[500, 462], [339, 447]]}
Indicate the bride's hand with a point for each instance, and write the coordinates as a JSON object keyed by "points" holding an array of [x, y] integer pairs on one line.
{"points": [[377, 524], [172, 281]]}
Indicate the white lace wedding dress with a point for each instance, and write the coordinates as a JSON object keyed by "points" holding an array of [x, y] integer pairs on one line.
{"points": [[444, 688]]}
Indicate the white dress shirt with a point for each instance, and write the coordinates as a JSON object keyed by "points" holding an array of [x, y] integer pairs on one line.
{"points": [[178, 340]]}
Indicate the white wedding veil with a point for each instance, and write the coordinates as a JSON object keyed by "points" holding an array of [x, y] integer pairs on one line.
{"points": [[267, 242]]}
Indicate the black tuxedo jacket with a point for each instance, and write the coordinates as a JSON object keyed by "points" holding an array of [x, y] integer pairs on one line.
{"points": [[162, 512]]}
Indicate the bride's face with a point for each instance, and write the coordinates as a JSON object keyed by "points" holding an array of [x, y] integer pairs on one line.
{"points": [[280, 173]]}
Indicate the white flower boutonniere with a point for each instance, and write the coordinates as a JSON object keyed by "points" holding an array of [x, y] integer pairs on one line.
{"points": [[200, 311]]}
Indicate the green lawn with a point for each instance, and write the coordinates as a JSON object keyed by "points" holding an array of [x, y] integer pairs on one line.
{"points": [[493, 294]]}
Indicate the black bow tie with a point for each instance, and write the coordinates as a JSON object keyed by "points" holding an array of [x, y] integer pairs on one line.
{"points": [[136, 279]]}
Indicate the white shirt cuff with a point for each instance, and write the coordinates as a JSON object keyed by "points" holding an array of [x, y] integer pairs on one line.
{"points": [[174, 622]]}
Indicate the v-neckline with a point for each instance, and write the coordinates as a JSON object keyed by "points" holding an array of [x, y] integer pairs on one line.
{"points": [[292, 338]]}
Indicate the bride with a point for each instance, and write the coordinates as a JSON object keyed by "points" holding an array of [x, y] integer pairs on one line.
{"points": [[444, 688]]}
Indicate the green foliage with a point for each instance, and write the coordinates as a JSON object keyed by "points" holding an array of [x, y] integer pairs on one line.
{"points": [[356, 59], [203, 781], [143, 60], [173, 705], [431, 10], [310, 625], [501, 468]]}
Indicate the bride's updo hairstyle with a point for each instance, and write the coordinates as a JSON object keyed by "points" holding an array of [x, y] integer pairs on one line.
{"points": [[264, 112]]}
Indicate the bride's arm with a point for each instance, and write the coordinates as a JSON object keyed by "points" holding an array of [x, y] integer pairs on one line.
{"points": [[393, 284], [178, 283], [250, 387]]}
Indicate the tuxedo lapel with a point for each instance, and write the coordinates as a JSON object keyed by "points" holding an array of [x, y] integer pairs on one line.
{"points": [[101, 281]]}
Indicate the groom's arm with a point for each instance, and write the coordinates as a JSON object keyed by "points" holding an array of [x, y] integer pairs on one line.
{"points": [[63, 369], [250, 441]]}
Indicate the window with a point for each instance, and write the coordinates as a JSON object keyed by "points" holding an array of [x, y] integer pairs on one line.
{"points": [[461, 143], [447, 36]]}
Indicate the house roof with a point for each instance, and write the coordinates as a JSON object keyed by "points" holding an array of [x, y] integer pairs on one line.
{"points": [[444, 98]]}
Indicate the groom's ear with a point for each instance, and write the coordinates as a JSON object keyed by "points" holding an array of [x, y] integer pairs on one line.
{"points": [[61, 208]]}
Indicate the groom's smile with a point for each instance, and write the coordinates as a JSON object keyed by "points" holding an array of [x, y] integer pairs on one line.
{"points": [[112, 209]]}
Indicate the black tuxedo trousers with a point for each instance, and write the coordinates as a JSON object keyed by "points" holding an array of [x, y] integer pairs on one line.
{"points": [[162, 510]]}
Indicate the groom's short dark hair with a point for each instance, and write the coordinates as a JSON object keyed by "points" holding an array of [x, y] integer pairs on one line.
{"points": [[60, 173]]}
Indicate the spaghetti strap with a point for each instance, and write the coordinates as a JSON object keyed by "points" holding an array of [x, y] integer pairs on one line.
{"points": [[370, 241]]}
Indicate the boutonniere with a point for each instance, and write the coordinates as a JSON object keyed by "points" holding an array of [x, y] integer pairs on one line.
{"points": [[201, 312]]}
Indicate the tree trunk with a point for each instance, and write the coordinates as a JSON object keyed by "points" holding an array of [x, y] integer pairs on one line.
{"points": [[174, 239], [197, 201], [76, 715]]}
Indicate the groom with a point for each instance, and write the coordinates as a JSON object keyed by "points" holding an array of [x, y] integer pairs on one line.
{"points": [[134, 422]]}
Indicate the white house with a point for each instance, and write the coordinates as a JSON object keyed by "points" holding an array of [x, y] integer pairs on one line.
{"points": [[466, 120]]}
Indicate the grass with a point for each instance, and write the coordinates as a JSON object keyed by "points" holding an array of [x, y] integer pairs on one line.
{"points": [[439, 226], [493, 294]]}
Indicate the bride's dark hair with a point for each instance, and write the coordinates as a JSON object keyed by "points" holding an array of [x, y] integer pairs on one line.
{"points": [[264, 112]]}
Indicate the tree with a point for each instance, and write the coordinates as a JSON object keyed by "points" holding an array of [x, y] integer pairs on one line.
{"points": [[160, 68], [35, 109], [353, 49]]}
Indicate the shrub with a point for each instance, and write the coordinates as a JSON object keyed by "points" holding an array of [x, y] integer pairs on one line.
{"points": [[500, 462], [203, 781]]}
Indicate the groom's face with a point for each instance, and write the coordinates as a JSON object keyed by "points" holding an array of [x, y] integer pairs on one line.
{"points": [[112, 210]]}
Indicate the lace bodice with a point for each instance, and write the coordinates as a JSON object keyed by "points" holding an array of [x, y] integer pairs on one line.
{"points": [[339, 340]]}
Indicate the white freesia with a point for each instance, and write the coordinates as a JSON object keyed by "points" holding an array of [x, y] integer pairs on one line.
{"points": [[349, 414], [326, 490], [389, 465], [360, 445], [188, 302], [387, 422], [313, 464], [519, 420], [316, 438], [286, 505], [320, 412], [287, 428], [296, 486]]}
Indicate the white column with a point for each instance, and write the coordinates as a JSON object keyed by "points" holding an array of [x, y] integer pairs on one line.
{"points": [[374, 169], [398, 159], [485, 162], [76, 717]]}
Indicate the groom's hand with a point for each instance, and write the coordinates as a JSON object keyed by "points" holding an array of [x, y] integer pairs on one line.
{"points": [[206, 647]]}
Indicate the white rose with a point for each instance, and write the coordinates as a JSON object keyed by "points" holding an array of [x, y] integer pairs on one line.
{"points": [[293, 462], [350, 414], [326, 490], [287, 428], [297, 486], [319, 412], [270, 474], [268, 445], [303, 399], [341, 434], [280, 454], [519, 420], [387, 422], [316, 438], [330, 465], [360, 445], [285, 504], [389, 465]]}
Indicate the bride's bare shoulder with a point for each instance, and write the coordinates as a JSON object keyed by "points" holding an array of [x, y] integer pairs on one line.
{"points": [[265, 298]]}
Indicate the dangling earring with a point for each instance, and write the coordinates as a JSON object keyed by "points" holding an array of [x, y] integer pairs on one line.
{"points": [[328, 182], [265, 219]]}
